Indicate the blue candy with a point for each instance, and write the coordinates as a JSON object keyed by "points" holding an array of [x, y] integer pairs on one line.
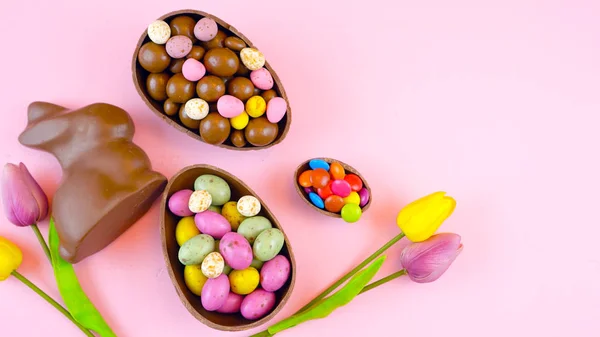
{"points": [[316, 200], [318, 163]]}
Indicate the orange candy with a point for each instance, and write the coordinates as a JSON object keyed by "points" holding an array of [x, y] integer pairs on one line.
{"points": [[334, 203], [319, 178], [337, 170], [305, 179]]}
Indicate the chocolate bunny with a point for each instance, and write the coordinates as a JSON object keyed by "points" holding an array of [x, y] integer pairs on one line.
{"points": [[107, 183]]}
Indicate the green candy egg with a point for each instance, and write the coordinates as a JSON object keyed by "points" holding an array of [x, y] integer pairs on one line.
{"points": [[214, 208], [250, 228], [217, 187], [268, 244], [194, 250], [257, 264]]}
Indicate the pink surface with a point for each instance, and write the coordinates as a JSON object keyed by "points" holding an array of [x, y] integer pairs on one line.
{"points": [[496, 103]]}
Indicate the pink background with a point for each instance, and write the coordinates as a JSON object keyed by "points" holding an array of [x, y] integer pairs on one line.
{"points": [[495, 102]]}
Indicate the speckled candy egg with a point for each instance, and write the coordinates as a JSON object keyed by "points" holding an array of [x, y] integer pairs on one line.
{"points": [[262, 79], [216, 186], [244, 281], [178, 46], [185, 230], [248, 206], [194, 250], [199, 201], [230, 212], [159, 32], [236, 250], [213, 265], [206, 29], [252, 58], [215, 292], [250, 228], [179, 203], [196, 108], [276, 109], [275, 273], [232, 303], [257, 304], [212, 223], [194, 279], [268, 244]]}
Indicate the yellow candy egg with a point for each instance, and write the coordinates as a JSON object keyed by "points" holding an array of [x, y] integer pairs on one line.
{"points": [[185, 230], [240, 121], [353, 198], [256, 106], [230, 212], [194, 278], [244, 281]]}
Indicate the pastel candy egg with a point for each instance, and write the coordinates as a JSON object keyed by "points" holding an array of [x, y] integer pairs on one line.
{"points": [[276, 109], [212, 223], [316, 200], [213, 265], [252, 58], [257, 264], [275, 273], [215, 293], [216, 186], [215, 208], [178, 203], [341, 187], [352, 198], [159, 32], [351, 213], [236, 251], [232, 303], [244, 281], [268, 244], [257, 304], [185, 230], [256, 106], [240, 121], [250, 228], [196, 108], [364, 196], [205, 29], [199, 201], [229, 106], [194, 279], [248, 206], [194, 250], [262, 79], [318, 163], [178, 46], [193, 70], [230, 212]]}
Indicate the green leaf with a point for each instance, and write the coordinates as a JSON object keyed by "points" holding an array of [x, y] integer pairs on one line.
{"points": [[79, 305], [326, 306]]}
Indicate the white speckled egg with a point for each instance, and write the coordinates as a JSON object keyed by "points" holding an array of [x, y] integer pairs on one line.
{"points": [[196, 108], [252, 58], [199, 201], [159, 32], [248, 206], [213, 265]]}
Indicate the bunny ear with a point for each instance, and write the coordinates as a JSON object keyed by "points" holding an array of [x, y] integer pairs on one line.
{"points": [[41, 127], [42, 110]]}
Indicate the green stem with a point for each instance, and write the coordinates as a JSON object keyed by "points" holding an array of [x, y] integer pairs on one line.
{"points": [[51, 301], [40, 238], [383, 280]]}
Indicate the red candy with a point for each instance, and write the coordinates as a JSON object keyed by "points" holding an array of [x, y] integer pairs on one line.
{"points": [[355, 182], [324, 192], [319, 178]]}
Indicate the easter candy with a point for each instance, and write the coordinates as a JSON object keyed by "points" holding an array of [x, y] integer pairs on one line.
{"points": [[256, 264], [212, 223], [318, 163], [214, 293], [230, 212], [256, 106], [236, 250], [248, 206], [194, 250], [213, 265], [215, 208], [183, 25], [229, 106], [244, 281], [355, 182], [364, 196], [227, 269], [194, 279], [257, 304], [341, 188], [240, 87], [305, 179], [199, 201], [221, 62], [250, 228], [218, 188], [261, 132], [308, 190], [153, 57], [319, 178], [234, 43], [337, 171], [232, 304], [178, 46], [179, 203], [159, 32], [351, 212], [268, 244], [196, 108], [316, 200], [240, 121], [334, 203], [325, 192], [214, 128], [252, 58], [275, 273], [193, 70], [237, 138], [206, 29], [185, 230], [262, 79], [276, 109], [352, 198], [197, 53]]}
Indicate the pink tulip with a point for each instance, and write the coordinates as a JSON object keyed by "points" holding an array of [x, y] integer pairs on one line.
{"points": [[426, 261], [25, 203]]}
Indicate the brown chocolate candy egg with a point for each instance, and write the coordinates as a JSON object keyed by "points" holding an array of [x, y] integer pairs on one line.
{"points": [[242, 70], [261, 132], [210, 88], [257, 92], [176, 65], [240, 87], [171, 108], [221, 62], [153, 57], [196, 53], [179, 89], [237, 138], [186, 120], [156, 84], [234, 43], [267, 95], [216, 42], [214, 128], [183, 25]]}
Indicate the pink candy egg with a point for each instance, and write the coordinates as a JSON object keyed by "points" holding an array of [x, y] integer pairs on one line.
{"points": [[341, 187], [206, 29], [232, 304], [215, 292], [193, 70], [178, 46], [257, 304], [212, 223], [262, 79], [178, 203], [230, 106], [276, 109]]}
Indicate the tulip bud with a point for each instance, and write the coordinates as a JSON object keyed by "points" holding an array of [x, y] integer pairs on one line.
{"points": [[426, 261], [25, 203], [10, 258], [421, 218]]}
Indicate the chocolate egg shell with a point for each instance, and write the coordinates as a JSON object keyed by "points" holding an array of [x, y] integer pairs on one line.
{"points": [[153, 57], [214, 128], [260, 131], [156, 84], [210, 88], [183, 25], [179, 89], [240, 87], [221, 62]]}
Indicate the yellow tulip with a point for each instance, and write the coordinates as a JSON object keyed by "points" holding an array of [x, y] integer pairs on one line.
{"points": [[10, 258], [421, 218]]}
